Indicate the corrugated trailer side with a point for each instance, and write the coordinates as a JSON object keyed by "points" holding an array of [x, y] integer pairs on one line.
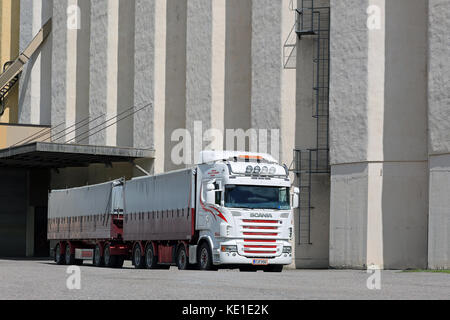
{"points": [[81, 213], [160, 207]]}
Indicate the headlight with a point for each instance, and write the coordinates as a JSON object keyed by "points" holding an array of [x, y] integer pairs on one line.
{"points": [[272, 170], [249, 170], [287, 249], [228, 248], [265, 170], [257, 170]]}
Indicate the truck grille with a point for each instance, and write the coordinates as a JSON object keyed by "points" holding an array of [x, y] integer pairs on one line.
{"points": [[260, 238]]}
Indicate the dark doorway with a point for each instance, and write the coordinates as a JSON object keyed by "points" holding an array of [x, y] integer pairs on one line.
{"points": [[41, 244]]}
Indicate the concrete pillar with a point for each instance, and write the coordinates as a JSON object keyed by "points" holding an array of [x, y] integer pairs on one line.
{"points": [[175, 91], [120, 68], [378, 134], [35, 92], [59, 66], [439, 134], [272, 87], [150, 61], [238, 64], [205, 72], [77, 73], [9, 50], [98, 70]]}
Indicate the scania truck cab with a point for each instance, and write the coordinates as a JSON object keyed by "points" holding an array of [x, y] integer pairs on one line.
{"points": [[244, 211]]}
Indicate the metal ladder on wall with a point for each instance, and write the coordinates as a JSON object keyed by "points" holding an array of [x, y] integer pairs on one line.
{"points": [[13, 69], [314, 22]]}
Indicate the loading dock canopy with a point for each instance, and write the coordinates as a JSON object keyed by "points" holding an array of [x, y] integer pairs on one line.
{"points": [[61, 155]]}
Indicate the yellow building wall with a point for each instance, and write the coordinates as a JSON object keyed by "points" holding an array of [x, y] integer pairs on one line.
{"points": [[16, 134], [9, 50]]}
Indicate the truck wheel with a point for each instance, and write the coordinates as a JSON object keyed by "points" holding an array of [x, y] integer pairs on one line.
{"points": [[98, 259], [138, 260], [182, 258], [274, 268], [110, 261], [151, 261], [205, 258], [70, 258], [59, 258]]}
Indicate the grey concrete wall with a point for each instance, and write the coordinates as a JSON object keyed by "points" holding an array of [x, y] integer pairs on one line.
{"points": [[175, 112], [315, 254], [98, 69], [35, 92], [267, 65], [348, 218], [238, 64], [439, 213], [59, 62], [378, 120], [125, 71], [439, 134]]}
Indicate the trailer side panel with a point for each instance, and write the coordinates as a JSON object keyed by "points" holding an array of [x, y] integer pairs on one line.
{"points": [[159, 207], [82, 213]]}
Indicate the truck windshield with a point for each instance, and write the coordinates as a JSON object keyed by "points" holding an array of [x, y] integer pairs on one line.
{"points": [[257, 197]]}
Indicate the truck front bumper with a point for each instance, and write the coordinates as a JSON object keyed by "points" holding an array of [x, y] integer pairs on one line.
{"points": [[235, 258]]}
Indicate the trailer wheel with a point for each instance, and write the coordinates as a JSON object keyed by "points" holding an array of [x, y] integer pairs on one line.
{"points": [[98, 259], [205, 258], [138, 261], [182, 258], [59, 258], [151, 261], [110, 261], [70, 258]]}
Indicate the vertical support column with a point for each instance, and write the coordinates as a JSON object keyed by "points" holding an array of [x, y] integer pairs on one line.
{"points": [[267, 66], [120, 67], [205, 74], [175, 68], [238, 72], [35, 93], [150, 57], [78, 69], [9, 46], [439, 133], [379, 161], [59, 65], [98, 70]]}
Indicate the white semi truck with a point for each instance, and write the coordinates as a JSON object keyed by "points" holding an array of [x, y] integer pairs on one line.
{"points": [[233, 210]]}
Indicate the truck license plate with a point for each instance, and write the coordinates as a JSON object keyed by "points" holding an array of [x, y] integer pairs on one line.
{"points": [[260, 262]]}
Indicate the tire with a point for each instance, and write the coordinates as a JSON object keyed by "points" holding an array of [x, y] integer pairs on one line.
{"points": [[274, 268], [110, 261], [138, 260], [205, 258], [59, 258], [98, 259], [182, 258], [70, 258], [151, 261]]}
